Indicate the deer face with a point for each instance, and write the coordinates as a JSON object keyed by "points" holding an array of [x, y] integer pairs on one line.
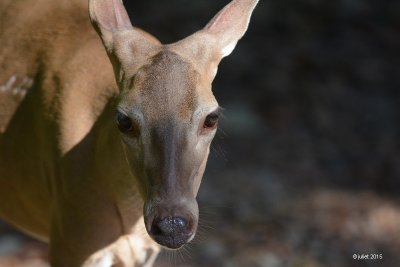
{"points": [[166, 113], [167, 120]]}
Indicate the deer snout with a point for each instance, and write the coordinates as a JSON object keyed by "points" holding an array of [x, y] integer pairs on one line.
{"points": [[172, 232], [172, 226]]}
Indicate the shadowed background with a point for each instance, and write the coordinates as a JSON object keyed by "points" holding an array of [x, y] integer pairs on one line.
{"points": [[305, 169]]}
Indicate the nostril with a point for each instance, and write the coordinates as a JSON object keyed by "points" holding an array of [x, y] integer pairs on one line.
{"points": [[155, 229], [169, 226]]}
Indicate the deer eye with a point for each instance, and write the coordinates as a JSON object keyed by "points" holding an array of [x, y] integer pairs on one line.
{"points": [[124, 123], [211, 120]]}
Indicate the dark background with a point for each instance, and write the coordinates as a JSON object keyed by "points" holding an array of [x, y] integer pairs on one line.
{"points": [[305, 169]]}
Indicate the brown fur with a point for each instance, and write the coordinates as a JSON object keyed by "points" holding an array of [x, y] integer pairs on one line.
{"points": [[65, 175]]}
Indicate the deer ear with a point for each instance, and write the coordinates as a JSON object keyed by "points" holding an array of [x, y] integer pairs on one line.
{"points": [[108, 17], [229, 25], [121, 40]]}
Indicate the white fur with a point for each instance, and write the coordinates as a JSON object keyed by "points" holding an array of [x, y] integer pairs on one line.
{"points": [[138, 244], [132, 249], [17, 89], [227, 50], [103, 258], [106, 261], [8, 85]]}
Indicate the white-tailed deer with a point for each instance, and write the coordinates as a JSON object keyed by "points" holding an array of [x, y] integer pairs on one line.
{"points": [[101, 159]]}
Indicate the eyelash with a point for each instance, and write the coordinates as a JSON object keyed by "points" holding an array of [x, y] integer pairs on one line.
{"points": [[124, 123], [211, 121]]}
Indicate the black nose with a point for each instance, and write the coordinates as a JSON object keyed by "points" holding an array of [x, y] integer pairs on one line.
{"points": [[171, 232], [168, 226]]}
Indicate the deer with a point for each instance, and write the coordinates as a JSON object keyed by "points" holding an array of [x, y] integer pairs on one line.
{"points": [[104, 161]]}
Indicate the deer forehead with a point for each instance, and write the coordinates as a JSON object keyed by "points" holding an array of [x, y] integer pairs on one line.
{"points": [[170, 86]]}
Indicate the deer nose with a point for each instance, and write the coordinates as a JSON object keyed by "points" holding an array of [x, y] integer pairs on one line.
{"points": [[169, 226], [172, 232]]}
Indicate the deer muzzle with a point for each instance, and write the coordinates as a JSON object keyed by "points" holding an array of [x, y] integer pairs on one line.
{"points": [[172, 225]]}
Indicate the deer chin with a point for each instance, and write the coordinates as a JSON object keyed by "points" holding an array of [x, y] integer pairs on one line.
{"points": [[171, 226], [173, 243]]}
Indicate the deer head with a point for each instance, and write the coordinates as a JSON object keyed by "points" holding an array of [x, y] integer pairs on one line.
{"points": [[166, 113]]}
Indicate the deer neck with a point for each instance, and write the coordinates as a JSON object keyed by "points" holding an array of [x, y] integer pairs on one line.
{"points": [[111, 170]]}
